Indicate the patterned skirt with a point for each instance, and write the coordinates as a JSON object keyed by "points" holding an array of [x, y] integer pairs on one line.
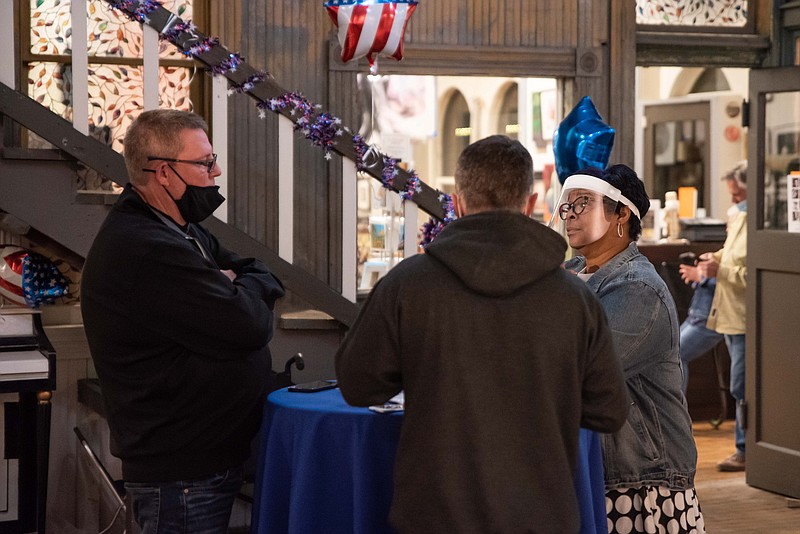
{"points": [[653, 510]]}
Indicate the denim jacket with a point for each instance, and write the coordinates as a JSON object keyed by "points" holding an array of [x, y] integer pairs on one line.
{"points": [[655, 447]]}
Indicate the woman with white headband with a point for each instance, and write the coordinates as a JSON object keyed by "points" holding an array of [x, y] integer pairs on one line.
{"points": [[650, 463]]}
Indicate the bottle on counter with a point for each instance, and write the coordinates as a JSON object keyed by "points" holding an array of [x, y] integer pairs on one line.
{"points": [[672, 224]]}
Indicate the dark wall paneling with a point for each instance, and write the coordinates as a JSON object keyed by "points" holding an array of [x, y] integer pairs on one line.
{"points": [[549, 23]]}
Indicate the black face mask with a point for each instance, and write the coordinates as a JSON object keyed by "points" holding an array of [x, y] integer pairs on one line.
{"points": [[197, 203]]}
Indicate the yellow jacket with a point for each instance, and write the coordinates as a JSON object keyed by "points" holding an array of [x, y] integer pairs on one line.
{"points": [[728, 308]]}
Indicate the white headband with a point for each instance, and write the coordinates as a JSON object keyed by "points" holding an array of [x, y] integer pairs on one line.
{"points": [[593, 183]]}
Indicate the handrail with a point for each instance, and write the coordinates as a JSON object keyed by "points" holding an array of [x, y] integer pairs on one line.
{"points": [[61, 134], [264, 90], [102, 158]]}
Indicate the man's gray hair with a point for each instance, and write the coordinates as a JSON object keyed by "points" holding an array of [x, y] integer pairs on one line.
{"points": [[157, 133], [738, 174]]}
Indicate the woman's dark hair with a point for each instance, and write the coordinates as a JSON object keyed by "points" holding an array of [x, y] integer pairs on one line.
{"points": [[627, 181]]}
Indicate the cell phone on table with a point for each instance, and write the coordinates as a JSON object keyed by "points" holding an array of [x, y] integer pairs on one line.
{"points": [[311, 387]]}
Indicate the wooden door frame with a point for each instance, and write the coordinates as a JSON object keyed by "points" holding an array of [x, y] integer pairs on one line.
{"points": [[768, 251]]}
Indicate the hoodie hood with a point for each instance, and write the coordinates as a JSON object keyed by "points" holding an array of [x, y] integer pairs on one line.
{"points": [[496, 253]]}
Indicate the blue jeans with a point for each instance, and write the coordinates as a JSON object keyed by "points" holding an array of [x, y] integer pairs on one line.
{"points": [[696, 340], [199, 506], [735, 343]]}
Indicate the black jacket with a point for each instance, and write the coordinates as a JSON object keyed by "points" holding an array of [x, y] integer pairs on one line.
{"points": [[502, 356], [180, 350]]}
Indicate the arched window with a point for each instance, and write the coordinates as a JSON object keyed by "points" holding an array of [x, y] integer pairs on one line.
{"points": [[456, 132], [508, 116], [710, 80]]}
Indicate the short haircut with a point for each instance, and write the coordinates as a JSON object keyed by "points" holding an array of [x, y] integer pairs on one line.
{"points": [[495, 173], [738, 174], [157, 133]]}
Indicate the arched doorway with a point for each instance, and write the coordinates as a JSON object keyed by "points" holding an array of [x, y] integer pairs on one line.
{"points": [[456, 131], [508, 114]]}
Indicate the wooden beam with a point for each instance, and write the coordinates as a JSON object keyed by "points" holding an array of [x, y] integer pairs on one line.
{"points": [[453, 60], [700, 49], [61, 134]]}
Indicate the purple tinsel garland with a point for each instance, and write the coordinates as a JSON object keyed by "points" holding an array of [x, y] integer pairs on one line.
{"points": [[231, 63], [390, 172], [136, 9], [202, 47], [361, 148], [319, 128], [432, 228], [175, 30], [248, 84]]}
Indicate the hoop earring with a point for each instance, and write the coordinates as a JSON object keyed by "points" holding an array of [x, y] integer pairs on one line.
{"points": [[619, 230]]}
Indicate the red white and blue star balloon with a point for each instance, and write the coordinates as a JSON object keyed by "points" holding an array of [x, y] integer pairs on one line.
{"points": [[371, 27], [27, 278]]}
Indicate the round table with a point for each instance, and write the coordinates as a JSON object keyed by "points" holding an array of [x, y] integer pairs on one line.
{"points": [[324, 466]]}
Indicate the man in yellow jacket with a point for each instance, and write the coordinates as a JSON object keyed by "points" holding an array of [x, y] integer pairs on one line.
{"points": [[729, 266]]}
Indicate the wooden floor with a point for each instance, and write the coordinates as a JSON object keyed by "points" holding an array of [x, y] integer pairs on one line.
{"points": [[729, 505]]}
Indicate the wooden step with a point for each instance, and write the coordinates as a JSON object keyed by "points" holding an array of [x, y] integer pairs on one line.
{"points": [[307, 320]]}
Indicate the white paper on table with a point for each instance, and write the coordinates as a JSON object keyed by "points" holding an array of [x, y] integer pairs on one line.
{"points": [[395, 404]]}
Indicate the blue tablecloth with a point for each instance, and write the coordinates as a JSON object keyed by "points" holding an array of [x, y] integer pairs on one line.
{"points": [[590, 485], [326, 467]]}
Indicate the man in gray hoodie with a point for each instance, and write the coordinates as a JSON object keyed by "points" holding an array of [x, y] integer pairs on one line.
{"points": [[502, 355]]}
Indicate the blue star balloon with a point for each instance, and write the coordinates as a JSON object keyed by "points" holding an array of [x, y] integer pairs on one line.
{"points": [[582, 140]]}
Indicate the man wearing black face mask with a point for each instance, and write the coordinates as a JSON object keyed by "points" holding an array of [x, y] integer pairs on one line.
{"points": [[178, 328]]}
